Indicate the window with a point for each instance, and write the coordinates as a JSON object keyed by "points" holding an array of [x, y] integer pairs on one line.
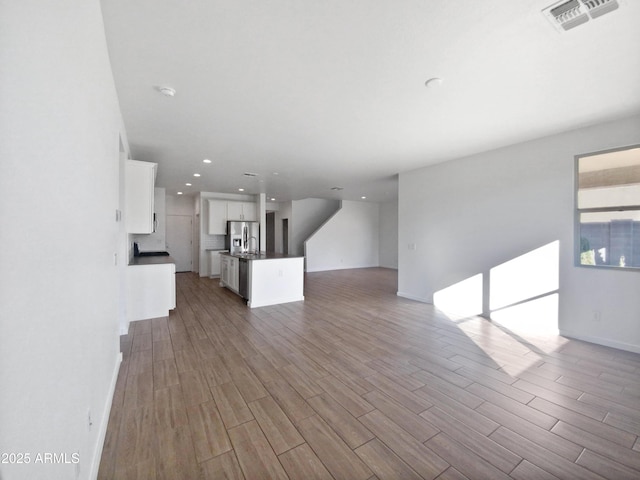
{"points": [[608, 208]]}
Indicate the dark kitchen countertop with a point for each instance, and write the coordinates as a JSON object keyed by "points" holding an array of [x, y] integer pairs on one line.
{"points": [[261, 256], [160, 260]]}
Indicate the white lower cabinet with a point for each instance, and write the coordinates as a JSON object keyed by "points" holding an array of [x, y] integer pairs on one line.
{"points": [[224, 270], [234, 267], [229, 272], [215, 263]]}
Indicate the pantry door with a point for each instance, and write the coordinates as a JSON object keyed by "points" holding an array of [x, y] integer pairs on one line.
{"points": [[179, 238]]}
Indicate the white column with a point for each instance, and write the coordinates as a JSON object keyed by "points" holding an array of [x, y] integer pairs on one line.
{"points": [[262, 217]]}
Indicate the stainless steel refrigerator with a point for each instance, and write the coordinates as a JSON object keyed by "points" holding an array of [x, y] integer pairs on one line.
{"points": [[243, 237]]}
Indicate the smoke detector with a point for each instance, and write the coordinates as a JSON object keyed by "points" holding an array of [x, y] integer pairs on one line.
{"points": [[166, 91], [566, 15]]}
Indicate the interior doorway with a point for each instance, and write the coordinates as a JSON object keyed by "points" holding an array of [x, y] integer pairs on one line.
{"points": [[271, 231], [179, 237], [285, 236]]}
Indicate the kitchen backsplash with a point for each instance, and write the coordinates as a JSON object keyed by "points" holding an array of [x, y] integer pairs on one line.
{"points": [[150, 242], [213, 242]]}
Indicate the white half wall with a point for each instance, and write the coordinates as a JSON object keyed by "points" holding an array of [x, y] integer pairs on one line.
{"points": [[60, 125], [349, 239], [464, 217], [276, 281]]}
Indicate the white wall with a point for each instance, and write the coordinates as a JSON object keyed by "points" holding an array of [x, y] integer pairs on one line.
{"points": [[306, 216], [389, 234], [59, 170], [179, 205], [466, 216], [349, 239]]}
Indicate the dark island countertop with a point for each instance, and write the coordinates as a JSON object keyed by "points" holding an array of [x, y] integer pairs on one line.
{"points": [[261, 256]]}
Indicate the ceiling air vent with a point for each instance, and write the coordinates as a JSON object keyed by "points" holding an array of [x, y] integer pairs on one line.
{"points": [[598, 8], [566, 15]]}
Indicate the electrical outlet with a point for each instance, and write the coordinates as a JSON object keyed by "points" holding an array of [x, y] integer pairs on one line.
{"points": [[596, 316]]}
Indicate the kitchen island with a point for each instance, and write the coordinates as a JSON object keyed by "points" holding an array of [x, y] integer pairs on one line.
{"points": [[263, 278]]}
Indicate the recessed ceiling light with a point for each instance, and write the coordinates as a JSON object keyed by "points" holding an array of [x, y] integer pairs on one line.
{"points": [[241, 189], [179, 193], [276, 173], [196, 174], [434, 82], [206, 160], [273, 199], [363, 197], [166, 91], [188, 184]]}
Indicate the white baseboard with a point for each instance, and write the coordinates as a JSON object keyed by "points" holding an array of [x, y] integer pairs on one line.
{"points": [[329, 268], [414, 297], [102, 433], [275, 301], [390, 267], [602, 341]]}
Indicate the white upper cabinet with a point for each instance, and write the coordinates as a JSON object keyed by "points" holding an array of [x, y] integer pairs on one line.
{"points": [[222, 210], [249, 212], [242, 211], [217, 217], [234, 210], [140, 180]]}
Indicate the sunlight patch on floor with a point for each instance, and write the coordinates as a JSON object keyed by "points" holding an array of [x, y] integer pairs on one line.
{"points": [[463, 298], [536, 317], [523, 303]]}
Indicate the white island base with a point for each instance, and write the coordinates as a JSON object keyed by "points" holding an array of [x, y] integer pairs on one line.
{"points": [[275, 281], [272, 279]]}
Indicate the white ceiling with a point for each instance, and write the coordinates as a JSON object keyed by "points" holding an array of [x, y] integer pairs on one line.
{"points": [[331, 93]]}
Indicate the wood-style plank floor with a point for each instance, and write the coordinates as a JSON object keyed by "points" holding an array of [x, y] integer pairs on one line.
{"points": [[357, 383]]}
